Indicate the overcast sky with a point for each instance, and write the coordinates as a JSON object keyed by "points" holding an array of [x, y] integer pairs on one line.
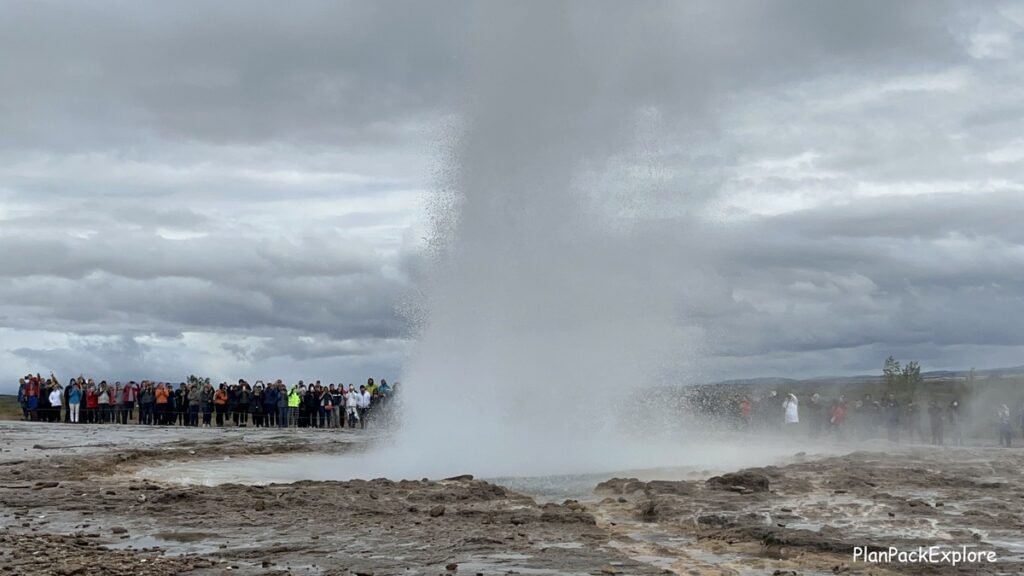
{"points": [[244, 189]]}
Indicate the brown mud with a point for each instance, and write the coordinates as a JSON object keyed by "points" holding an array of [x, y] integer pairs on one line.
{"points": [[77, 507]]}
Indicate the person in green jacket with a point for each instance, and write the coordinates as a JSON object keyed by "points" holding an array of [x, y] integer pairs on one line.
{"points": [[294, 398]]}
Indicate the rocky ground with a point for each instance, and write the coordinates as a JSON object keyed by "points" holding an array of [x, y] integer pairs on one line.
{"points": [[71, 502], [806, 517]]}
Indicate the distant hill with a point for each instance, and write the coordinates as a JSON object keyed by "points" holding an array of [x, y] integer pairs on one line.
{"points": [[873, 378]]}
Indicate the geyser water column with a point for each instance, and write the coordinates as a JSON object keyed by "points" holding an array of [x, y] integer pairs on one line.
{"points": [[541, 322]]}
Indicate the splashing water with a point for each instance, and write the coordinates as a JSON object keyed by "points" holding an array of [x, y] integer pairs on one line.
{"points": [[567, 250], [543, 319]]}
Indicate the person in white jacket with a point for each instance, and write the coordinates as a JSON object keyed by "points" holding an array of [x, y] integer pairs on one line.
{"points": [[792, 411], [56, 395], [364, 405], [352, 406]]}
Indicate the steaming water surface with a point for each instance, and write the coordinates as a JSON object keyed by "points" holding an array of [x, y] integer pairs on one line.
{"points": [[286, 469], [696, 461]]}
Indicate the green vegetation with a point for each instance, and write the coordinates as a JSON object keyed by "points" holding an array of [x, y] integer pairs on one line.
{"points": [[9, 408], [902, 382]]}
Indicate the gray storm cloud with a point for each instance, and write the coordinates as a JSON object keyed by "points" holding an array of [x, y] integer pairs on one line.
{"points": [[239, 188]]}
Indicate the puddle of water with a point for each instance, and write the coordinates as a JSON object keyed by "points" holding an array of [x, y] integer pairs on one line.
{"points": [[509, 563], [169, 546], [662, 539], [284, 469], [172, 543], [663, 562], [184, 536], [561, 545], [682, 547], [502, 556], [475, 566], [697, 460], [554, 488]]}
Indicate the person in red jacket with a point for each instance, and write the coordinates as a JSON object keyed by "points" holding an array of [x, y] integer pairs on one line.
{"points": [[746, 409], [92, 403], [32, 398], [838, 416]]}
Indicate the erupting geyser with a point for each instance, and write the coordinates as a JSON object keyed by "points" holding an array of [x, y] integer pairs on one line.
{"points": [[545, 316]]}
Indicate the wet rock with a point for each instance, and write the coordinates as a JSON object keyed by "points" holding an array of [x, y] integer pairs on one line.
{"points": [[553, 513], [716, 520], [574, 505], [620, 486], [437, 511], [461, 478], [453, 567], [677, 488], [118, 530], [647, 511], [485, 540], [744, 480], [70, 569]]}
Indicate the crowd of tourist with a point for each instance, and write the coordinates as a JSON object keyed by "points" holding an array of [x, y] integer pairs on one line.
{"points": [[198, 403], [845, 416], [932, 422]]}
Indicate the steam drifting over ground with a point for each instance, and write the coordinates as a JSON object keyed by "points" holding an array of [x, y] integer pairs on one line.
{"points": [[557, 297]]}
